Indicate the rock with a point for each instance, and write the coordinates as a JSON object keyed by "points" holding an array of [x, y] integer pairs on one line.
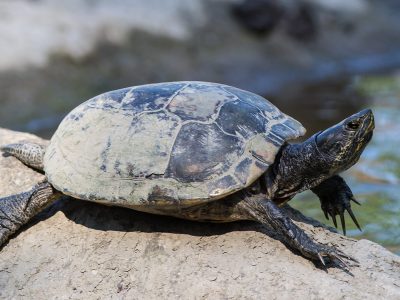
{"points": [[258, 16], [263, 16], [82, 250], [75, 27]]}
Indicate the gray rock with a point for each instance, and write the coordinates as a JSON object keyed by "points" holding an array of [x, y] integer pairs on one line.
{"points": [[80, 250]]}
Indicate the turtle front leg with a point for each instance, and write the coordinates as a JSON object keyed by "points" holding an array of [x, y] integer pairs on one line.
{"points": [[268, 213], [17, 210], [335, 196]]}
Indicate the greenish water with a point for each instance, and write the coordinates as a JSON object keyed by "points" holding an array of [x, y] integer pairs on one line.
{"points": [[375, 180]]}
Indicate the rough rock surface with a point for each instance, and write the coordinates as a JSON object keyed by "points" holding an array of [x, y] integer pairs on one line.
{"points": [[81, 250]]}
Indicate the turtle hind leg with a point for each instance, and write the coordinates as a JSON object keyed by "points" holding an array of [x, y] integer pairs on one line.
{"points": [[268, 213], [17, 210], [29, 153]]}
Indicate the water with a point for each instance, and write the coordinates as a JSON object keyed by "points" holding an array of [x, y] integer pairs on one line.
{"points": [[375, 180]]}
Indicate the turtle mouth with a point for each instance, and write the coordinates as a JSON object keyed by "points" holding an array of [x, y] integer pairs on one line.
{"points": [[368, 137], [369, 126], [368, 120]]}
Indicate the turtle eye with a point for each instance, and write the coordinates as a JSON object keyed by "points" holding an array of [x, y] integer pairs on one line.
{"points": [[353, 125]]}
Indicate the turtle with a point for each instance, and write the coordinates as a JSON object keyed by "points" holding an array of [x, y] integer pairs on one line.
{"points": [[194, 150]]}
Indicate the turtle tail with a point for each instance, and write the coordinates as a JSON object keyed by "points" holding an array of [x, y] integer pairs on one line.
{"points": [[29, 153]]}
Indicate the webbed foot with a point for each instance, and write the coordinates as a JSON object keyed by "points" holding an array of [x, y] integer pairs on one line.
{"points": [[336, 196], [316, 251]]}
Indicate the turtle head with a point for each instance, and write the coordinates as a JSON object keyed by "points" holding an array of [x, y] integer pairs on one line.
{"points": [[342, 144], [305, 165]]}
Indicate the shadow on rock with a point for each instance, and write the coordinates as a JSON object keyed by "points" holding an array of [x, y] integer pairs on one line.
{"points": [[113, 218]]}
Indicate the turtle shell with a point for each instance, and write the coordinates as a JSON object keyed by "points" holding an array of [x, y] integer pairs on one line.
{"points": [[176, 143]]}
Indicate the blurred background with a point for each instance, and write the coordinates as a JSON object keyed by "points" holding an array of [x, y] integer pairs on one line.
{"points": [[317, 60]]}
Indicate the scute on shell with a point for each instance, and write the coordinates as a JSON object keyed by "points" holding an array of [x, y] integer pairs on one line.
{"points": [[176, 143]]}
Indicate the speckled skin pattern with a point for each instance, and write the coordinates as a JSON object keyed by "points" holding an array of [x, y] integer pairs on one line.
{"points": [[29, 153], [16, 210]]}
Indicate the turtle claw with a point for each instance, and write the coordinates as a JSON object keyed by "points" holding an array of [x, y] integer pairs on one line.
{"points": [[338, 258], [335, 201], [357, 263], [334, 255], [327, 254], [343, 222], [355, 201], [353, 217], [341, 255], [333, 215], [321, 259], [333, 212], [339, 210]]}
